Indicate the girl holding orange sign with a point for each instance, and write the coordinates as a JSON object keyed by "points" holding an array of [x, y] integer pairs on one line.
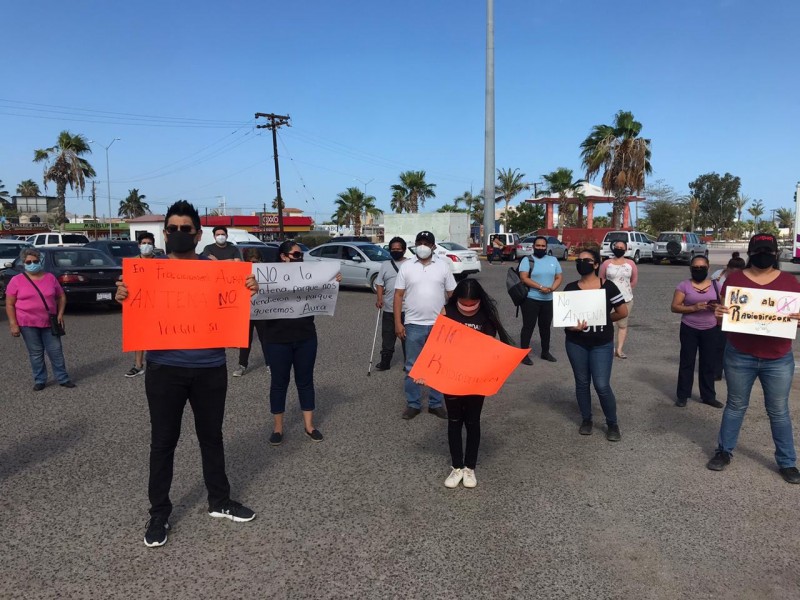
{"points": [[469, 305]]}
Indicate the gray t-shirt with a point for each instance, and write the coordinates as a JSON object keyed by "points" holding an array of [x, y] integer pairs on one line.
{"points": [[386, 278]]}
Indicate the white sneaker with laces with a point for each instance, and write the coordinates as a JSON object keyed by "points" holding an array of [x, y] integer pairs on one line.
{"points": [[469, 478], [454, 478], [239, 371]]}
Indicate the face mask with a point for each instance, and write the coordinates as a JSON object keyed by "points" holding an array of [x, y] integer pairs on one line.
{"points": [[762, 260], [146, 249], [33, 267], [181, 242], [699, 273], [397, 254], [423, 252], [221, 239], [584, 268], [539, 252], [618, 252], [468, 310]]}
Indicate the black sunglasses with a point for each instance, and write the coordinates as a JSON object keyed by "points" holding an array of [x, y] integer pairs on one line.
{"points": [[181, 228], [588, 261], [296, 254], [35, 261]]}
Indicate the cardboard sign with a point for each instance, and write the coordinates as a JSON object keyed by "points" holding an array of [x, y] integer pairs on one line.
{"points": [[292, 290], [761, 312], [579, 305], [460, 361], [184, 304]]}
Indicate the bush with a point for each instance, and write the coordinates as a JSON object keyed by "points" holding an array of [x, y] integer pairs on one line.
{"points": [[313, 240]]}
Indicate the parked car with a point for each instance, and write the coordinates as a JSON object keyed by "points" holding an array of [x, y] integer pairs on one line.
{"points": [[87, 275], [510, 243], [267, 252], [54, 238], [554, 247], [463, 261], [349, 238], [639, 245], [360, 261], [116, 250], [10, 249], [678, 246]]}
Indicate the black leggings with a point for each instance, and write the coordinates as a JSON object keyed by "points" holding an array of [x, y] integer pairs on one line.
{"points": [[464, 411], [533, 311]]}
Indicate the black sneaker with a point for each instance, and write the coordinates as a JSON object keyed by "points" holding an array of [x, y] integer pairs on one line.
{"points": [[38, 387], [527, 360], [721, 460], [681, 402], [276, 438], [67, 384], [549, 357], [232, 510], [439, 411], [156, 533], [409, 413], [383, 366], [790, 474], [715, 403], [613, 434], [315, 435], [586, 427]]}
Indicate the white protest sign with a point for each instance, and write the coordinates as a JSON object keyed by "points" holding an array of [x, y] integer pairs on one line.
{"points": [[579, 305], [292, 290], [761, 312]]}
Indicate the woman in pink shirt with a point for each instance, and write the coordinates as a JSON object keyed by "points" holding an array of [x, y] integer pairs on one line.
{"points": [[28, 317]]}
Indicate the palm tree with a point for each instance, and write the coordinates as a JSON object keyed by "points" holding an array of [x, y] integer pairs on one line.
{"points": [[64, 166], [785, 218], [740, 202], [3, 191], [560, 182], [351, 205], [413, 189], [756, 210], [473, 204], [28, 188], [134, 205], [693, 204], [509, 184], [623, 157]]}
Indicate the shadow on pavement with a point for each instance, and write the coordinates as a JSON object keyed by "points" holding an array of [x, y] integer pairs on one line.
{"points": [[39, 449]]}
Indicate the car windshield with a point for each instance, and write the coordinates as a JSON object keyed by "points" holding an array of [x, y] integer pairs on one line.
{"points": [[81, 258], [72, 238], [670, 237], [124, 250], [452, 246], [11, 250], [375, 252], [528, 240], [617, 236]]}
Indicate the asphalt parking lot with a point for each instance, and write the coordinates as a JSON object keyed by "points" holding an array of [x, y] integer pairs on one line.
{"points": [[364, 514]]}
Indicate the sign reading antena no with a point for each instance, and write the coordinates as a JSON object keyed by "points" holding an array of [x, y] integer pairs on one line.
{"points": [[268, 219]]}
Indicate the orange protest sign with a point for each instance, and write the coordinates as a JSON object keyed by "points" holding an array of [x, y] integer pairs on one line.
{"points": [[184, 304], [460, 361]]}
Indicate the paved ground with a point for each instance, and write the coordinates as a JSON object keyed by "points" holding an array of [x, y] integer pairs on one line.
{"points": [[365, 514]]}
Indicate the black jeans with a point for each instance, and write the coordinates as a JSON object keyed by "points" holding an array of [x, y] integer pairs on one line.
{"points": [[168, 389], [302, 356], [719, 351], [692, 340], [389, 337], [244, 353], [464, 411], [534, 311]]}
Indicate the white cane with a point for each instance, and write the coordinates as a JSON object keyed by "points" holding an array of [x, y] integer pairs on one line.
{"points": [[374, 339]]}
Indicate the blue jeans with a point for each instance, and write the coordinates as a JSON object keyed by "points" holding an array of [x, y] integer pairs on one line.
{"points": [[281, 358], [592, 364], [416, 336], [39, 340], [741, 371]]}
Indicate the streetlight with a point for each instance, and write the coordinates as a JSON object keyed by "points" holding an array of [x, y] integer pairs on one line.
{"points": [[108, 183]]}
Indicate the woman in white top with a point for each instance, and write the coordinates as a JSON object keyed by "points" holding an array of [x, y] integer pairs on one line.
{"points": [[623, 272]]}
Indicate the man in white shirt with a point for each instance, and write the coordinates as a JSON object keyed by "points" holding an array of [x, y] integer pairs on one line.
{"points": [[384, 286], [423, 285]]}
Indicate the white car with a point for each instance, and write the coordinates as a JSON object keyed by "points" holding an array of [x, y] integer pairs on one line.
{"points": [[462, 260], [54, 238], [639, 245], [360, 261]]}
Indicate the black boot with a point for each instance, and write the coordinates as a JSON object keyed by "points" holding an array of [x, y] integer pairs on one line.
{"points": [[385, 363]]}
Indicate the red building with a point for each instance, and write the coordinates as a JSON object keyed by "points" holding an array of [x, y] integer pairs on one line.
{"points": [[264, 225]]}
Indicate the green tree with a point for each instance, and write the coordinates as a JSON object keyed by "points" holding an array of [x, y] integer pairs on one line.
{"points": [[526, 217], [663, 215], [560, 183], [693, 204], [509, 184], [351, 205], [756, 210], [3, 192], [717, 196], [740, 203], [64, 166], [622, 155], [412, 191], [28, 188], [473, 204], [133, 206], [785, 218], [601, 221], [450, 208]]}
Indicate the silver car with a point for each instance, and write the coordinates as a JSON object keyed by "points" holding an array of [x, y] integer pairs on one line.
{"points": [[678, 246], [360, 261], [554, 247]]}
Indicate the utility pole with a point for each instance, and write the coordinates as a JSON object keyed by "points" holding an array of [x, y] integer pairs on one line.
{"points": [[94, 208], [276, 121], [488, 152]]}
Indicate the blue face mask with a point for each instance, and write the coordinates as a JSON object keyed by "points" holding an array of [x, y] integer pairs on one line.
{"points": [[33, 267]]}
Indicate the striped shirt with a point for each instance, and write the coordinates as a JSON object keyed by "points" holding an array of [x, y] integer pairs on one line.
{"points": [[597, 335]]}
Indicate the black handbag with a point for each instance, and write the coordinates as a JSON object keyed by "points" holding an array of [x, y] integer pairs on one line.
{"points": [[56, 328]]}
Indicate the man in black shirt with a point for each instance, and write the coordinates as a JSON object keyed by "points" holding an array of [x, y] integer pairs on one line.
{"points": [[221, 249]]}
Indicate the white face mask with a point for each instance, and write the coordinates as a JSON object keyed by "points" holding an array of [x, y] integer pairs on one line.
{"points": [[221, 239], [146, 249], [423, 252]]}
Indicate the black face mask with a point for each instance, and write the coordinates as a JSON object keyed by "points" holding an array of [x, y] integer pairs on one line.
{"points": [[181, 242], [618, 252], [762, 260], [539, 252], [584, 268], [699, 273], [397, 254]]}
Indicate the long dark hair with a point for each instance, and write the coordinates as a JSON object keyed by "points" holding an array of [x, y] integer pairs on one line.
{"points": [[470, 289]]}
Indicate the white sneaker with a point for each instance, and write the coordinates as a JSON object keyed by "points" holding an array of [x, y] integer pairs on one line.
{"points": [[238, 372], [469, 478], [454, 478]]}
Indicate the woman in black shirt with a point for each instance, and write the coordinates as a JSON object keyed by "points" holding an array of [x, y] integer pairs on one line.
{"points": [[591, 348], [470, 305]]}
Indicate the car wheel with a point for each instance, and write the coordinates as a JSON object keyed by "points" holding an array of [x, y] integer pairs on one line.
{"points": [[636, 258], [513, 255], [372, 285]]}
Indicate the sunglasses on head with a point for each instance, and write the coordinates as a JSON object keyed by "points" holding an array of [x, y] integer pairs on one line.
{"points": [[35, 261], [181, 228]]}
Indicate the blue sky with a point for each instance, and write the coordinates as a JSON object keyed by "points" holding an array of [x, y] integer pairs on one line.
{"points": [[374, 88]]}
